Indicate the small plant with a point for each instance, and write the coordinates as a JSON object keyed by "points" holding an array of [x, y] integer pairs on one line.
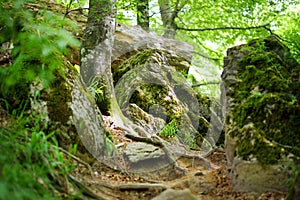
{"points": [[110, 147], [96, 90], [170, 130], [190, 139]]}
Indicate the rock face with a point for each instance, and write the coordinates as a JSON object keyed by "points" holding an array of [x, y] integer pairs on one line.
{"points": [[150, 67], [263, 115], [72, 112], [153, 84]]}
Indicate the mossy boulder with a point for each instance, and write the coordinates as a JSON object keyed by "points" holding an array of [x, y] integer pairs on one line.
{"points": [[69, 109], [130, 40], [158, 89], [149, 71], [262, 103], [151, 124]]}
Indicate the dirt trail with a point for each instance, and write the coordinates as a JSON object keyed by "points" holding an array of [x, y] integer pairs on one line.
{"points": [[205, 184]]}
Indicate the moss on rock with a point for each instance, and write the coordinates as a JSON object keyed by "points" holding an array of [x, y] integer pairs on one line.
{"points": [[135, 60], [150, 95], [266, 102]]}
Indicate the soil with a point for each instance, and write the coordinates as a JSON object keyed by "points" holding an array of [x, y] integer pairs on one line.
{"points": [[205, 183]]}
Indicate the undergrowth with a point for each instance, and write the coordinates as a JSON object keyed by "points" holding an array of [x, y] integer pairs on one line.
{"points": [[170, 130], [31, 164]]}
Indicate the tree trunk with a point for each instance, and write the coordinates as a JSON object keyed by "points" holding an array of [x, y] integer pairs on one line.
{"points": [[143, 14], [96, 47], [168, 16], [96, 51]]}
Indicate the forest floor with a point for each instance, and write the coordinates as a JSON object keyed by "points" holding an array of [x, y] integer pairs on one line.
{"points": [[205, 184]]}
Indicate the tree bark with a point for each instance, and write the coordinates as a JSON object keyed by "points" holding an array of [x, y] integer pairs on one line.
{"points": [[98, 39], [168, 16], [143, 14], [96, 51]]}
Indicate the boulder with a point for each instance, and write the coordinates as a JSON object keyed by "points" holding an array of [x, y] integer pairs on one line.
{"points": [[151, 162], [151, 124], [149, 71], [252, 176], [152, 82], [171, 194], [70, 109], [262, 83], [129, 40]]}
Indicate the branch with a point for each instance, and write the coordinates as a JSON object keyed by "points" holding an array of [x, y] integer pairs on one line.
{"points": [[265, 26], [208, 83], [208, 57], [80, 9], [201, 44], [145, 140]]}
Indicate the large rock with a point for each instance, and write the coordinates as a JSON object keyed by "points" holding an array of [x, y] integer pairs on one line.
{"points": [[171, 194], [152, 82], [151, 124], [262, 114], [151, 162], [70, 109], [253, 176], [148, 67], [129, 40], [148, 70]]}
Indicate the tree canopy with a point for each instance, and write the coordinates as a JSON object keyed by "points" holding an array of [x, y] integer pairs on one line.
{"points": [[219, 24]]}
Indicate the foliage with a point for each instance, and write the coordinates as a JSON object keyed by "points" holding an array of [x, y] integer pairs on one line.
{"points": [[110, 148], [170, 130], [96, 90], [39, 43], [216, 25], [73, 4], [31, 164], [289, 29]]}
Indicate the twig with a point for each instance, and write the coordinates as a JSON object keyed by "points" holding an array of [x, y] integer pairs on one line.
{"points": [[77, 159], [129, 186], [265, 26], [208, 57], [85, 190], [205, 155], [77, 9]]}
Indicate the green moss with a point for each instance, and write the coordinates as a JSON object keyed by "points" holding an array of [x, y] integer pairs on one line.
{"points": [[266, 97], [149, 95], [256, 146], [59, 96], [135, 60]]}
